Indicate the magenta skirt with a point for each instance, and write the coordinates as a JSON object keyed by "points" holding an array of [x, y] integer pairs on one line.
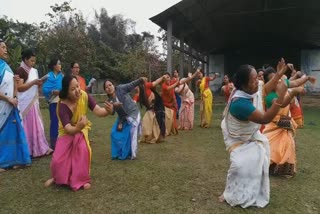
{"points": [[71, 161]]}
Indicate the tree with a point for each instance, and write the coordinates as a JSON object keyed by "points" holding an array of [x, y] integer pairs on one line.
{"points": [[65, 37]]}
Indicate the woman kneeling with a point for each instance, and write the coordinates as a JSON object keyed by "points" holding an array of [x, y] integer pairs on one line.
{"points": [[70, 163]]}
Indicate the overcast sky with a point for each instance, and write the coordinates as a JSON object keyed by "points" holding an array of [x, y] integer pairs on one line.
{"points": [[33, 11]]}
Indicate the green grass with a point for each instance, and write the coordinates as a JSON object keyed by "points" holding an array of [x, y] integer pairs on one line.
{"points": [[185, 174]]}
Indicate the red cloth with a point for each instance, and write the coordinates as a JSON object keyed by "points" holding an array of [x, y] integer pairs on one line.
{"points": [[148, 86], [168, 97], [207, 83], [82, 82]]}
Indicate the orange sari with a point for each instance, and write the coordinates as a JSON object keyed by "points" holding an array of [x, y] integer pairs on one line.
{"points": [[282, 146]]}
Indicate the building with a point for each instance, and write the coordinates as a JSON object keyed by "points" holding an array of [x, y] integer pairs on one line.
{"points": [[230, 33]]}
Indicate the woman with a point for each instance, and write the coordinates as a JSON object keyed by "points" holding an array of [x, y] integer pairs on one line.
{"points": [[248, 176], [124, 133], [13, 143], [75, 70], [170, 103], [153, 121], [280, 131], [51, 89], [227, 87], [71, 159], [175, 78], [296, 105], [29, 105], [186, 111], [206, 98]]}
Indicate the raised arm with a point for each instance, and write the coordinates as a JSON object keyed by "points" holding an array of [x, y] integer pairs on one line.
{"points": [[173, 85], [213, 77], [266, 117], [302, 80], [130, 86], [102, 112], [189, 78], [272, 84], [158, 81]]}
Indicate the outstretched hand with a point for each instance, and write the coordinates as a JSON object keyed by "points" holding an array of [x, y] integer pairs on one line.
{"points": [[281, 88], [282, 67], [312, 79], [108, 106], [290, 66], [145, 79]]}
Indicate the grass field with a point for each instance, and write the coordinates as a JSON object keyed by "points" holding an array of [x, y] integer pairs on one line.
{"points": [[184, 174]]}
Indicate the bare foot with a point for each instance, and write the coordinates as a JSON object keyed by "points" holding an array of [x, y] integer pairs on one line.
{"points": [[2, 170], [49, 182], [87, 186], [221, 199], [119, 127], [17, 167], [49, 152]]}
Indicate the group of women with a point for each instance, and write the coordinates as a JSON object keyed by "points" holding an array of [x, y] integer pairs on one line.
{"points": [[255, 154], [253, 99], [22, 130]]}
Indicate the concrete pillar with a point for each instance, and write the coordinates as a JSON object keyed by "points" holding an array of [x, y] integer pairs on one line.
{"points": [[169, 43], [190, 60], [181, 63]]}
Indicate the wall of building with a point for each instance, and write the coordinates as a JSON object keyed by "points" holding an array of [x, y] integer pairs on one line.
{"points": [[216, 65], [310, 64]]}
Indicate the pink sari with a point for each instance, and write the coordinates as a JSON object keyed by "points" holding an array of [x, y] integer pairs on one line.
{"points": [[72, 156], [186, 111], [31, 116]]}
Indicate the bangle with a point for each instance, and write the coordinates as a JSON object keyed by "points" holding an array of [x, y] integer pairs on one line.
{"points": [[278, 104]]}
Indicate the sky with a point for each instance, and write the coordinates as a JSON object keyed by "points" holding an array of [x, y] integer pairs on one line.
{"points": [[33, 11]]}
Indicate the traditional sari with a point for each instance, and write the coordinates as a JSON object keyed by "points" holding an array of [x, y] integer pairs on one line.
{"points": [[186, 111], [13, 143], [258, 100], [282, 145], [71, 159], [296, 112], [169, 101], [206, 103], [153, 121], [31, 115], [124, 143], [248, 176], [54, 82]]}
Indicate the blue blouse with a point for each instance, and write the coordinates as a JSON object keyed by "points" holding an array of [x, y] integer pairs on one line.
{"points": [[241, 108]]}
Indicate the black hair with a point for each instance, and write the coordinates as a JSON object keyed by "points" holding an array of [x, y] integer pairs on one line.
{"points": [[167, 73], [27, 54], [65, 85], [143, 99], [260, 69], [104, 84], [52, 63], [267, 71], [72, 64], [241, 77], [201, 70]]}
